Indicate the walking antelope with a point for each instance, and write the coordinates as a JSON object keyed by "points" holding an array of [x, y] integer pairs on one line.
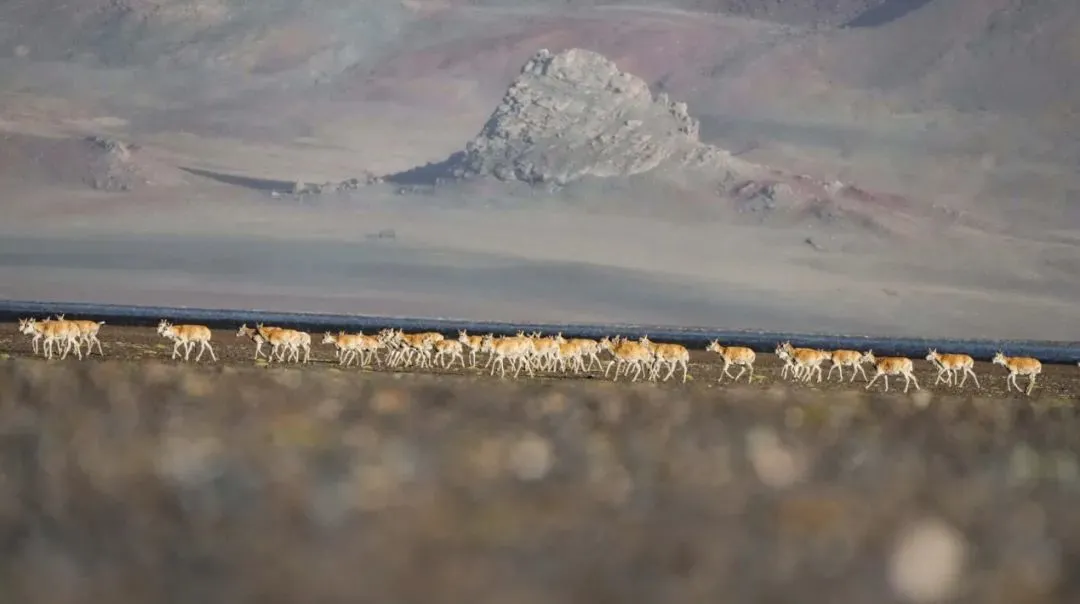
{"points": [[887, 366], [187, 336], [783, 352], [949, 365], [849, 358], [36, 330], [673, 355], [303, 341], [808, 361], [571, 352], [515, 348], [545, 350], [576, 350], [345, 346], [628, 353], [368, 348], [64, 334], [252, 334], [472, 343], [734, 355], [88, 331], [281, 340], [1019, 366], [453, 349], [405, 346]]}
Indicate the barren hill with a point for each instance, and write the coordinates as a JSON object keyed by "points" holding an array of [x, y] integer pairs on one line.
{"points": [[972, 55], [813, 132], [99, 163], [575, 115]]}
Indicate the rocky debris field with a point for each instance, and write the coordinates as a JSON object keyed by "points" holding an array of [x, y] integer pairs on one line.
{"points": [[151, 482]]}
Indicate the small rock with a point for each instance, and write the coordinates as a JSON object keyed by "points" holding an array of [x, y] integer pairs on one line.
{"points": [[531, 458], [775, 465], [927, 562]]}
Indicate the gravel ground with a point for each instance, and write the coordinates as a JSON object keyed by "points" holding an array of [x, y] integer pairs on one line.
{"points": [[150, 482], [142, 344]]}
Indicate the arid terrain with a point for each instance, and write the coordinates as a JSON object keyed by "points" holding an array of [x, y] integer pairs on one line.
{"points": [[1058, 383], [886, 167], [148, 481], [900, 167]]}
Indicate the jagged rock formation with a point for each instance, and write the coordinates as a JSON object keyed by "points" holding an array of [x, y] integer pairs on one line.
{"points": [[575, 114]]}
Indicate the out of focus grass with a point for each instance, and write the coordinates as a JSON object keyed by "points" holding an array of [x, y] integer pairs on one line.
{"points": [[123, 482]]}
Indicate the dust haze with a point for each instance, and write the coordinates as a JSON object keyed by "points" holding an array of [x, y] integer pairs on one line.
{"points": [[896, 167]]}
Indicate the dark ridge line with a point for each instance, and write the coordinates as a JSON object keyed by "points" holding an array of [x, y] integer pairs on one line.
{"points": [[760, 341], [429, 174], [247, 182], [885, 13]]}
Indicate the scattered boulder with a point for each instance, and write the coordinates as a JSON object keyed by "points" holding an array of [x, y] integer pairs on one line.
{"points": [[301, 188]]}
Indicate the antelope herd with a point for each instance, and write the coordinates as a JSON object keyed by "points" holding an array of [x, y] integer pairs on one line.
{"points": [[390, 348]]}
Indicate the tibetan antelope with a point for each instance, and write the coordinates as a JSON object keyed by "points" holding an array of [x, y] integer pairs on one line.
{"points": [[949, 365], [783, 352], [405, 346], [88, 332], [515, 348], [801, 362], [849, 358], [734, 355], [628, 353], [452, 349], [545, 350], [252, 334], [303, 342], [187, 336], [345, 346], [887, 366], [280, 341], [584, 348], [808, 362], [570, 353], [528, 348], [673, 355], [368, 348], [472, 343], [64, 334], [1019, 366], [36, 330]]}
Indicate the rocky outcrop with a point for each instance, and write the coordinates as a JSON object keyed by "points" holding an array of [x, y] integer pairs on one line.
{"points": [[575, 114]]}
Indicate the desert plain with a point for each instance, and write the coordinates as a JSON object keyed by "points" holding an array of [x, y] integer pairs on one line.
{"points": [[882, 167], [879, 166]]}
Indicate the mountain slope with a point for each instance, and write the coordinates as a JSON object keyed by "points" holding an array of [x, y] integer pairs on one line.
{"points": [[1012, 56]]}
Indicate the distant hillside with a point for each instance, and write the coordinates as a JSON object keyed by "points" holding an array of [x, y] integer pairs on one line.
{"points": [[264, 36], [975, 55], [1013, 56], [796, 12]]}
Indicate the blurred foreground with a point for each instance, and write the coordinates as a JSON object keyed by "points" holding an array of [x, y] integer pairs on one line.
{"points": [[146, 482]]}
